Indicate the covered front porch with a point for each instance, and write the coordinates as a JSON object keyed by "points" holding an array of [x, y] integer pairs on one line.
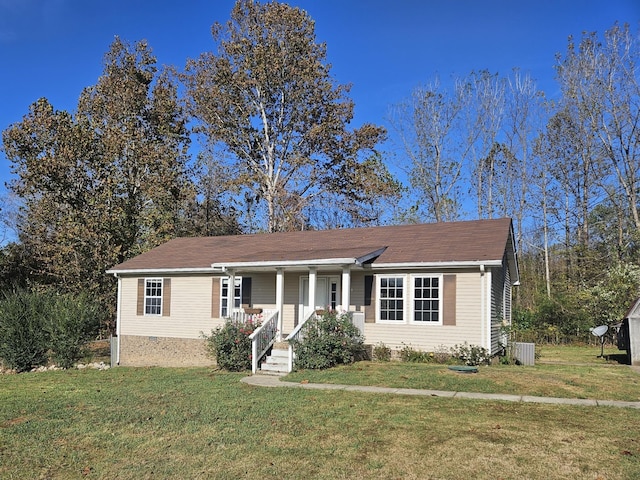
{"points": [[301, 290], [319, 283]]}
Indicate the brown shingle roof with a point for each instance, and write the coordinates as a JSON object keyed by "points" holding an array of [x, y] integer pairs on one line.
{"points": [[467, 241]]}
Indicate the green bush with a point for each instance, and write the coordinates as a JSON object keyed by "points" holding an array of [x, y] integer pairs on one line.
{"points": [[230, 345], [381, 353], [471, 354], [72, 322], [411, 355], [23, 336], [327, 341], [39, 326]]}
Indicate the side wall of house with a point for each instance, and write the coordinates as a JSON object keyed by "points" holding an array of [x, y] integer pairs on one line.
{"points": [[500, 306], [169, 340]]}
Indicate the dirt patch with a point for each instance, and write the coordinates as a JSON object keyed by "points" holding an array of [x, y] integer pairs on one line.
{"points": [[14, 421]]}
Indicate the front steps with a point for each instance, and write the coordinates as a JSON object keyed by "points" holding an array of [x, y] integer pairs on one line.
{"points": [[278, 362]]}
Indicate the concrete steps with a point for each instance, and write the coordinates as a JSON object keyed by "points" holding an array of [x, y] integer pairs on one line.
{"points": [[277, 363]]}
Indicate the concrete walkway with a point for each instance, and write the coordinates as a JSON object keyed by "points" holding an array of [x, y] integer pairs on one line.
{"points": [[274, 381]]}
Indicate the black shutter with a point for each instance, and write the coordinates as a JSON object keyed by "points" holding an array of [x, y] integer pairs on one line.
{"points": [[246, 292], [369, 300]]}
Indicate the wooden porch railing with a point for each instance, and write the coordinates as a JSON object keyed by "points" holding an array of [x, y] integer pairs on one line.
{"points": [[263, 337]]}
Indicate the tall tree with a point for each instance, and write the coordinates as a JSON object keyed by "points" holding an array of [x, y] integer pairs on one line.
{"points": [[106, 183], [602, 83], [485, 116], [268, 97], [428, 125], [522, 125]]}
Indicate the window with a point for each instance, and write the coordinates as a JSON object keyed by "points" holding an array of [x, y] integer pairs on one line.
{"points": [[333, 296], [426, 299], [153, 296], [225, 308], [410, 299], [392, 298]]}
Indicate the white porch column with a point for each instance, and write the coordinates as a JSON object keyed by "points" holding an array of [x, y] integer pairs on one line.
{"points": [[279, 300], [346, 287], [312, 288], [231, 293]]}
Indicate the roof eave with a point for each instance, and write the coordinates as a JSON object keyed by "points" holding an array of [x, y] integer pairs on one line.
{"points": [[447, 264], [159, 271], [318, 262]]}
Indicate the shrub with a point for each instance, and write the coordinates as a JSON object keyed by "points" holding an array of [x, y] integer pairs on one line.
{"points": [[72, 322], [381, 353], [329, 340], [409, 354], [230, 345], [471, 354], [23, 336], [442, 355]]}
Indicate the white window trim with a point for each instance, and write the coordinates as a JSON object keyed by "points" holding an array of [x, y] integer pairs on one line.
{"points": [[408, 294], [412, 299], [404, 300], [146, 281], [230, 306]]}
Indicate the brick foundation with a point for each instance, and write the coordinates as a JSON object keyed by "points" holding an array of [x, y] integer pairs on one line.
{"points": [[163, 352]]}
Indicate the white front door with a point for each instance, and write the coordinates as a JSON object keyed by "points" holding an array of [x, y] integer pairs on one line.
{"points": [[327, 295]]}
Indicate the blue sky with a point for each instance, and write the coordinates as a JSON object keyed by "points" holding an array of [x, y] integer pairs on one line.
{"points": [[54, 48]]}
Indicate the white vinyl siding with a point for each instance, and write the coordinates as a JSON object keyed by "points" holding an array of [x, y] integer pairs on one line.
{"points": [[468, 325], [190, 310]]}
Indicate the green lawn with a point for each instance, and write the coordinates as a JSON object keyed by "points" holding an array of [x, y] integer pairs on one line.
{"points": [[146, 423], [566, 372]]}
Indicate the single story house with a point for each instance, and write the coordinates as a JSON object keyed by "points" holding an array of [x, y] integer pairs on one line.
{"points": [[423, 285]]}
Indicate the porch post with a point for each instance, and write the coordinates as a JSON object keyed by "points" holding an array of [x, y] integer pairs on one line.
{"points": [[346, 287], [279, 300], [231, 293], [312, 288]]}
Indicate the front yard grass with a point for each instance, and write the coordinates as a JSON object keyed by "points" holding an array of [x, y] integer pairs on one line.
{"points": [[554, 375], [155, 423]]}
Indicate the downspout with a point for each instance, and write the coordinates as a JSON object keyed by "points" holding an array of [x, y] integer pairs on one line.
{"points": [[118, 317], [489, 336], [482, 304]]}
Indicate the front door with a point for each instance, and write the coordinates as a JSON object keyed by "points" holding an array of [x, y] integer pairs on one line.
{"points": [[327, 295]]}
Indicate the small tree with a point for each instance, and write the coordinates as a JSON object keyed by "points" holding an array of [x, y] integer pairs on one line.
{"points": [[327, 341]]}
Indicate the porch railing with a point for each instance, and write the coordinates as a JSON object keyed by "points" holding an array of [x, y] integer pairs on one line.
{"points": [[238, 315], [263, 337], [297, 334]]}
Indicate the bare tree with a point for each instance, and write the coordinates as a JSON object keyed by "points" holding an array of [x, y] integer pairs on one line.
{"points": [[428, 126], [602, 83]]}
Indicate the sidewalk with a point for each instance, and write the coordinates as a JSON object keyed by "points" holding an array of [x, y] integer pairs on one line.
{"points": [[274, 381]]}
